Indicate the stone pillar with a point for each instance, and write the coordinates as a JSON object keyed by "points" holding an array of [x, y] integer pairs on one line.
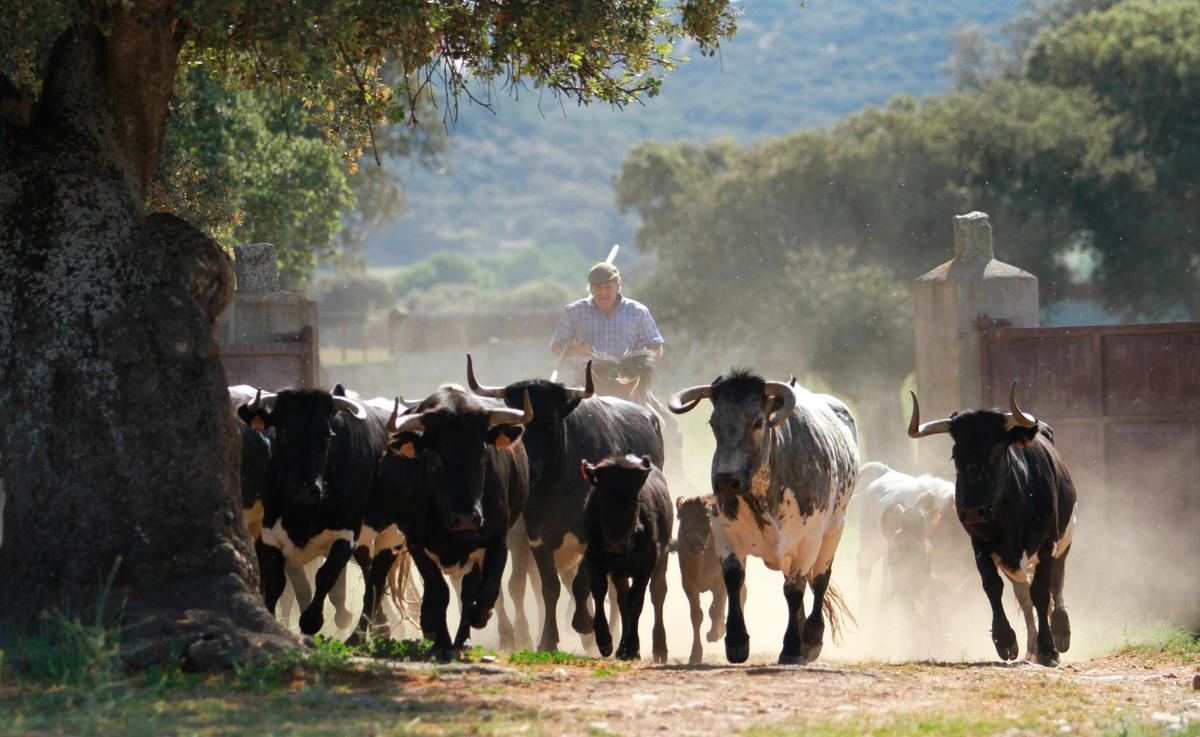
{"points": [[261, 314], [949, 302]]}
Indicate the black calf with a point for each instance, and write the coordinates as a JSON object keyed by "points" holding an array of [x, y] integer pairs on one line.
{"points": [[628, 519]]}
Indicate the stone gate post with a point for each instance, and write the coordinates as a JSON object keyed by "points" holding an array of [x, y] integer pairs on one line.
{"points": [[949, 302]]}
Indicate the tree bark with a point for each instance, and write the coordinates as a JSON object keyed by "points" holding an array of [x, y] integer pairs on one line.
{"points": [[119, 451]]}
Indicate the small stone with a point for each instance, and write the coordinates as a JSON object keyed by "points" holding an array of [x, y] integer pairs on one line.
{"points": [[488, 659]]}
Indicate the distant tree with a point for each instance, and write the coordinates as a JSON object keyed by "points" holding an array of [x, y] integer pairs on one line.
{"points": [[351, 292], [112, 397], [438, 269]]}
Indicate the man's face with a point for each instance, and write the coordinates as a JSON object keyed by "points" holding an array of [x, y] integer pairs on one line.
{"points": [[605, 294]]}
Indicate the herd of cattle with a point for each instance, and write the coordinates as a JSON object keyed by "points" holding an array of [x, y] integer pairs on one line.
{"points": [[566, 484]]}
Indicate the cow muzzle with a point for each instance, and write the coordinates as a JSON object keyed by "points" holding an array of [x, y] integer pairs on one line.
{"points": [[976, 515], [729, 484], [465, 522]]}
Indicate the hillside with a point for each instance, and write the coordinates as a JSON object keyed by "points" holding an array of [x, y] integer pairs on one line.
{"points": [[535, 170]]}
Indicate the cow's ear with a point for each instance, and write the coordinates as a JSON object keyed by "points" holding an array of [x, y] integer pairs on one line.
{"points": [[503, 436], [404, 444], [587, 470], [647, 463], [678, 505], [258, 419]]}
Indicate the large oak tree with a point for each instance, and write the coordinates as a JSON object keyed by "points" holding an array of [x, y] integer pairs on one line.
{"points": [[118, 447]]}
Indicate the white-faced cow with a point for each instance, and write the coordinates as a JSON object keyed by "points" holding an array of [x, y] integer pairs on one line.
{"points": [[783, 472], [569, 425], [458, 477], [1016, 500], [323, 454], [628, 519]]}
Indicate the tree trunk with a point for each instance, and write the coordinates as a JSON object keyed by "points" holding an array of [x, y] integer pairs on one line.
{"points": [[119, 451]]}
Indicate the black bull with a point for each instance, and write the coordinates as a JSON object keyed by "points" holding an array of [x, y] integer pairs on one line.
{"points": [[569, 425], [456, 481], [1016, 501]]}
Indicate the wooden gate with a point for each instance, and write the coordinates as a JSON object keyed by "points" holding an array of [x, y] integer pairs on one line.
{"points": [[273, 366], [1124, 402]]}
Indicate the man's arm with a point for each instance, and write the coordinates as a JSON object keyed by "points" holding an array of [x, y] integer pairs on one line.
{"points": [[577, 347]]}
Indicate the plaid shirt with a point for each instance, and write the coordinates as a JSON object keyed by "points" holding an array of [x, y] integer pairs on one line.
{"points": [[630, 327]]}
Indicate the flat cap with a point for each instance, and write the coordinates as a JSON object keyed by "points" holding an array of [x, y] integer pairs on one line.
{"points": [[603, 273]]}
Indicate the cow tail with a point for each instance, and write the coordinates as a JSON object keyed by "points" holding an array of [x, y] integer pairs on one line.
{"points": [[403, 590], [837, 612]]}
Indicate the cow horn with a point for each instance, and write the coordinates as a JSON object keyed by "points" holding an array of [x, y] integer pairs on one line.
{"points": [[1017, 418], [588, 389], [687, 399], [408, 423], [506, 416], [391, 423], [261, 402], [496, 392], [784, 392], [917, 430], [353, 406]]}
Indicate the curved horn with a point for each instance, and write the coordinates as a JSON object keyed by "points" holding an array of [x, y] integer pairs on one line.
{"points": [[1017, 418], [496, 392], [784, 392], [391, 423], [917, 430], [353, 406], [687, 399], [506, 416], [409, 423], [588, 389], [261, 402]]}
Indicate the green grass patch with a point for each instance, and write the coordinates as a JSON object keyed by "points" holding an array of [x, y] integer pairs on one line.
{"points": [[558, 657], [413, 651], [1162, 642]]}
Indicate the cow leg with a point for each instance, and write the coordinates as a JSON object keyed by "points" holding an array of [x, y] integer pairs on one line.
{"points": [[793, 594], [504, 627], [614, 616], [299, 581], [1060, 623], [271, 564], [737, 639], [693, 597], [327, 575], [1021, 591], [599, 586], [373, 593], [716, 615], [434, 601], [487, 590], [1003, 636], [814, 627], [468, 593], [658, 595], [631, 646], [543, 556], [520, 566], [581, 621], [337, 596], [1039, 591]]}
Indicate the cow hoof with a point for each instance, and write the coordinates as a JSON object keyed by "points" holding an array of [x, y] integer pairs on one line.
{"points": [[312, 621], [546, 645], [1060, 629], [478, 617], [785, 659], [628, 653], [1048, 659], [696, 657], [714, 634], [446, 654], [1006, 643], [343, 619], [604, 643], [810, 651], [508, 644], [737, 653], [581, 622], [660, 657]]}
